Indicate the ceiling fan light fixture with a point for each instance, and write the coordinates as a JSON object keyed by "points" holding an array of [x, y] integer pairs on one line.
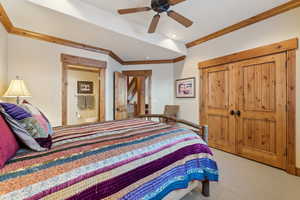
{"points": [[160, 6]]}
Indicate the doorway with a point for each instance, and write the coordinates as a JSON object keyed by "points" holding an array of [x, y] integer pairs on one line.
{"points": [[83, 90], [132, 93]]}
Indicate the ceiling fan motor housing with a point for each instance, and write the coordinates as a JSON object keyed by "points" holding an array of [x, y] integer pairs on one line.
{"points": [[160, 5]]}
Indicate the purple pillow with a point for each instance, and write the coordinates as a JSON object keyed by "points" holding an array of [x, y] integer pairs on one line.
{"points": [[15, 111]]}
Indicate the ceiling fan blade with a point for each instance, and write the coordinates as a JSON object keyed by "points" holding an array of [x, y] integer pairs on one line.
{"points": [[154, 23], [174, 2], [133, 10], [180, 19]]}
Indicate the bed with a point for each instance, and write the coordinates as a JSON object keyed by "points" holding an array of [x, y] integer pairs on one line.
{"points": [[129, 159]]}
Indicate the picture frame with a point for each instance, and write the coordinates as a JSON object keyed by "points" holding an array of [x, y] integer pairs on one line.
{"points": [[185, 88], [85, 87]]}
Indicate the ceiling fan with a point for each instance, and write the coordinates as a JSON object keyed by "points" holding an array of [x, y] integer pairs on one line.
{"points": [[160, 6]]}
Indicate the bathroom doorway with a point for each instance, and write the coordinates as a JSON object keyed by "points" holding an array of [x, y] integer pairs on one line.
{"points": [[83, 91]]}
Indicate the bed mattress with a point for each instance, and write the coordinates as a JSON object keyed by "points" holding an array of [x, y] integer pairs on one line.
{"points": [[130, 159]]}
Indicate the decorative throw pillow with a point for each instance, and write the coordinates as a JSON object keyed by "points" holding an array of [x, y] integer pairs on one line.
{"points": [[8, 143], [28, 124], [39, 116], [21, 133]]}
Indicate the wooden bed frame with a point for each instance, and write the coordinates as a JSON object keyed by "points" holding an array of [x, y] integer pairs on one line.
{"points": [[200, 130]]}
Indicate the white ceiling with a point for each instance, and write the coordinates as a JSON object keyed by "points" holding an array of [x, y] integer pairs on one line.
{"points": [[208, 15], [35, 18]]}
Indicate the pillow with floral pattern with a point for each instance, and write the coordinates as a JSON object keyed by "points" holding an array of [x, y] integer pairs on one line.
{"points": [[38, 115]]}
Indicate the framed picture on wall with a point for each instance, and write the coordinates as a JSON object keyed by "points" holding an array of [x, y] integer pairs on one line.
{"points": [[185, 88], [85, 87]]}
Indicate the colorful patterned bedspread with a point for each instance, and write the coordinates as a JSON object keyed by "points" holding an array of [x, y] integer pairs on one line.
{"points": [[131, 159]]}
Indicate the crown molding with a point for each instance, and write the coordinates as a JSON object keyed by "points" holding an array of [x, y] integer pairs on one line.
{"points": [[141, 62], [10, 28], [56, 40], [147, 62], [252, 53], [5, 19], [179, 59], [252, 20]]}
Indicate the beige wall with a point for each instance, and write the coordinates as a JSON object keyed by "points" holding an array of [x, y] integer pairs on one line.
{"points": [[3, 60], [276, 29], [76, 115], [38, 63]]}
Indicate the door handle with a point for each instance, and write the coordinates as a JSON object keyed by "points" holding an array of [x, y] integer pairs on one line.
{"points": [[121, 109], [238, 113]]}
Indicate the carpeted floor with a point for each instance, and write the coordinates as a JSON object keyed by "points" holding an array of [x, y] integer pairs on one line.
{"points": [[242, 179]]}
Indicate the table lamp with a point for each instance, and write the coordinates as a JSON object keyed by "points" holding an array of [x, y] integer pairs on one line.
{"points": [[17, 89]]}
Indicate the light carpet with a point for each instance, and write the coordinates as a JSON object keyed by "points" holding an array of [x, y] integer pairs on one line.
{"points": [[243, 179]]}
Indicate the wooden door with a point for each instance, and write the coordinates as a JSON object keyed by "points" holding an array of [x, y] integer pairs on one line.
{"points": [[141, 95], [217, 102], [261, 126], [120, 96]]}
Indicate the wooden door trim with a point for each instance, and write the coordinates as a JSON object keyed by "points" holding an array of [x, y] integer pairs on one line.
{"points": [[141, 81], [298, 171], [137, 72], [291, 112], [289, 47], [81, 61], [120, 97], [70, 62], [64, 96], [279, 47]]}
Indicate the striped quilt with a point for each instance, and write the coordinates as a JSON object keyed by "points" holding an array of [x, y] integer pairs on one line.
{"points": [[130, 159]]}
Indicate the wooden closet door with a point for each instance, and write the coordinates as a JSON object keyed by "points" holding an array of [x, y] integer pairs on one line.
{"points": [[216, 103], [262, 102]]}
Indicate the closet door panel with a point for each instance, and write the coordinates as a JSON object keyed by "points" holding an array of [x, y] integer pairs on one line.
{"points": [[217, 101], [262, 103]]}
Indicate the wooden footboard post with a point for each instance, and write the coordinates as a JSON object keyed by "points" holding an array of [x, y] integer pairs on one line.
{"points": [[205, 133], [205, 188]]}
